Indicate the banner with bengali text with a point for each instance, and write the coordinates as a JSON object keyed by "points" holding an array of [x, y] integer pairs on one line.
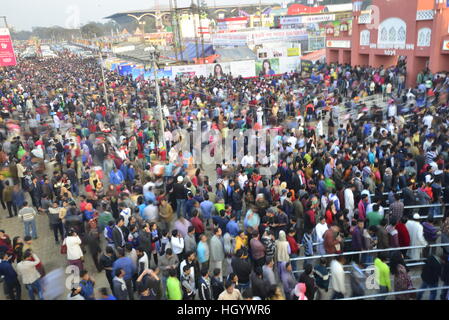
{"points": [[7, 56]]}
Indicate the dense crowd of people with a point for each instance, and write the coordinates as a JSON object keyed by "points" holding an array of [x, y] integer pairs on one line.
{"points": [[161, 226]]}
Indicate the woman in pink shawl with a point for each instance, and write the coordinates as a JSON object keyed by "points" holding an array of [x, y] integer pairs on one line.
{"points": [[300, 291]]}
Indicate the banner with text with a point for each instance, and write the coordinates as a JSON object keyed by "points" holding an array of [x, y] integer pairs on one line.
{"points": [[279, 35], [7, 56]]}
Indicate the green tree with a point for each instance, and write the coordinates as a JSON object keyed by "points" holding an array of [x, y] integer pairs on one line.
{"points": [[92, 29]]}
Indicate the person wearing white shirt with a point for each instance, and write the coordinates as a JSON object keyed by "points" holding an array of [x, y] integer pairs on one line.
{"points": [[427, 120], [57, 121], [292, 140], [390, 127], [338, 277], [320, 229], [74, 252], [177, 243], [416, 232], [247, 160], [29, 274], [324, 202], [427, 144], [143, 262], [242, 179], [126, 214], [349, 201], [259, 116], [148, 186], [392, 110]]}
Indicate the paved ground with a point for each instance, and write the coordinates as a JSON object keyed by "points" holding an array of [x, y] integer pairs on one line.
{"points": [[45, 248]]}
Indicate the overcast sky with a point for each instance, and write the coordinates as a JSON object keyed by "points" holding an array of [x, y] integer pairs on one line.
{"points": [[25, 14]]}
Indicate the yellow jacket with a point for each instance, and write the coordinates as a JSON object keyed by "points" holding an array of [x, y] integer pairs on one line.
{"points": [[240, 242]]}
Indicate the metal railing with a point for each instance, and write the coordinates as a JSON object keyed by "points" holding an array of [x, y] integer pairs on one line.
{"points": [[351, 253], [394, 293], [413, 264], [399, 192], [421, 206]]}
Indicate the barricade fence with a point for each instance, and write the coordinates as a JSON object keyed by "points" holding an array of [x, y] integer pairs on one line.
{"points": [[394, 293], [352, 253]]}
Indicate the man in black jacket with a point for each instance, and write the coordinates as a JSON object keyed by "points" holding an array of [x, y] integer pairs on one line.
{"points": [[409, 197], [216, 284], [430, 276], [258, 284], [309, 281], [205, 286], [180, 194], [106, 261], [36, 193], [145, 239], [242, 268], [117, 234], [296, 181], [237, 202]]}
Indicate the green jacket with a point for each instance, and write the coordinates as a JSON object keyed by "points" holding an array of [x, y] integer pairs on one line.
{"points": [[374, 218], [104, 218], [174, 291], [382, 273]]}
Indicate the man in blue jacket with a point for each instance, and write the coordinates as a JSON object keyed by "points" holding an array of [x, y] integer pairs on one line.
{"points": [[87, 285], [206, 209], [12, 285], [116, 177], [232, 227], [127, 265]]}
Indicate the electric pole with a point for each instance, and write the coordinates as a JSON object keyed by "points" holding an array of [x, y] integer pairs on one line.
{"points": [[178, 30], [6, 22], [194, 29], [201, 29], [154, 56], [175, 40]]}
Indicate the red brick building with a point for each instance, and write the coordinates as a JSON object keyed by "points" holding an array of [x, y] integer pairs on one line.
{"points": [[417, 30]]}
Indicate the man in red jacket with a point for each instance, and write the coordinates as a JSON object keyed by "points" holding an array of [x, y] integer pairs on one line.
{"points": [[197, 223], [5, 243], [403, 235], [294, 247]]}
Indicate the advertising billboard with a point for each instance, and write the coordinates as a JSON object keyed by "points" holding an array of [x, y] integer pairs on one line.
{"points": [[267, 67], [7, 56], [306, 65]]}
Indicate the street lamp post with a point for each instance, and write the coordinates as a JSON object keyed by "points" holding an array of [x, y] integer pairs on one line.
{"points": [[154, 56], [102, 76]]}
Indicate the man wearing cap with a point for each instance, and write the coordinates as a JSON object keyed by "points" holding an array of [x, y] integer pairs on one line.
{"points": [[180, 194], [416, 232]]}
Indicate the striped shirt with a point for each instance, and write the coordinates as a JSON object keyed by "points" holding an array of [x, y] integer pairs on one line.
{"points": [[430, 156], [307, 244], [27, 214]]}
